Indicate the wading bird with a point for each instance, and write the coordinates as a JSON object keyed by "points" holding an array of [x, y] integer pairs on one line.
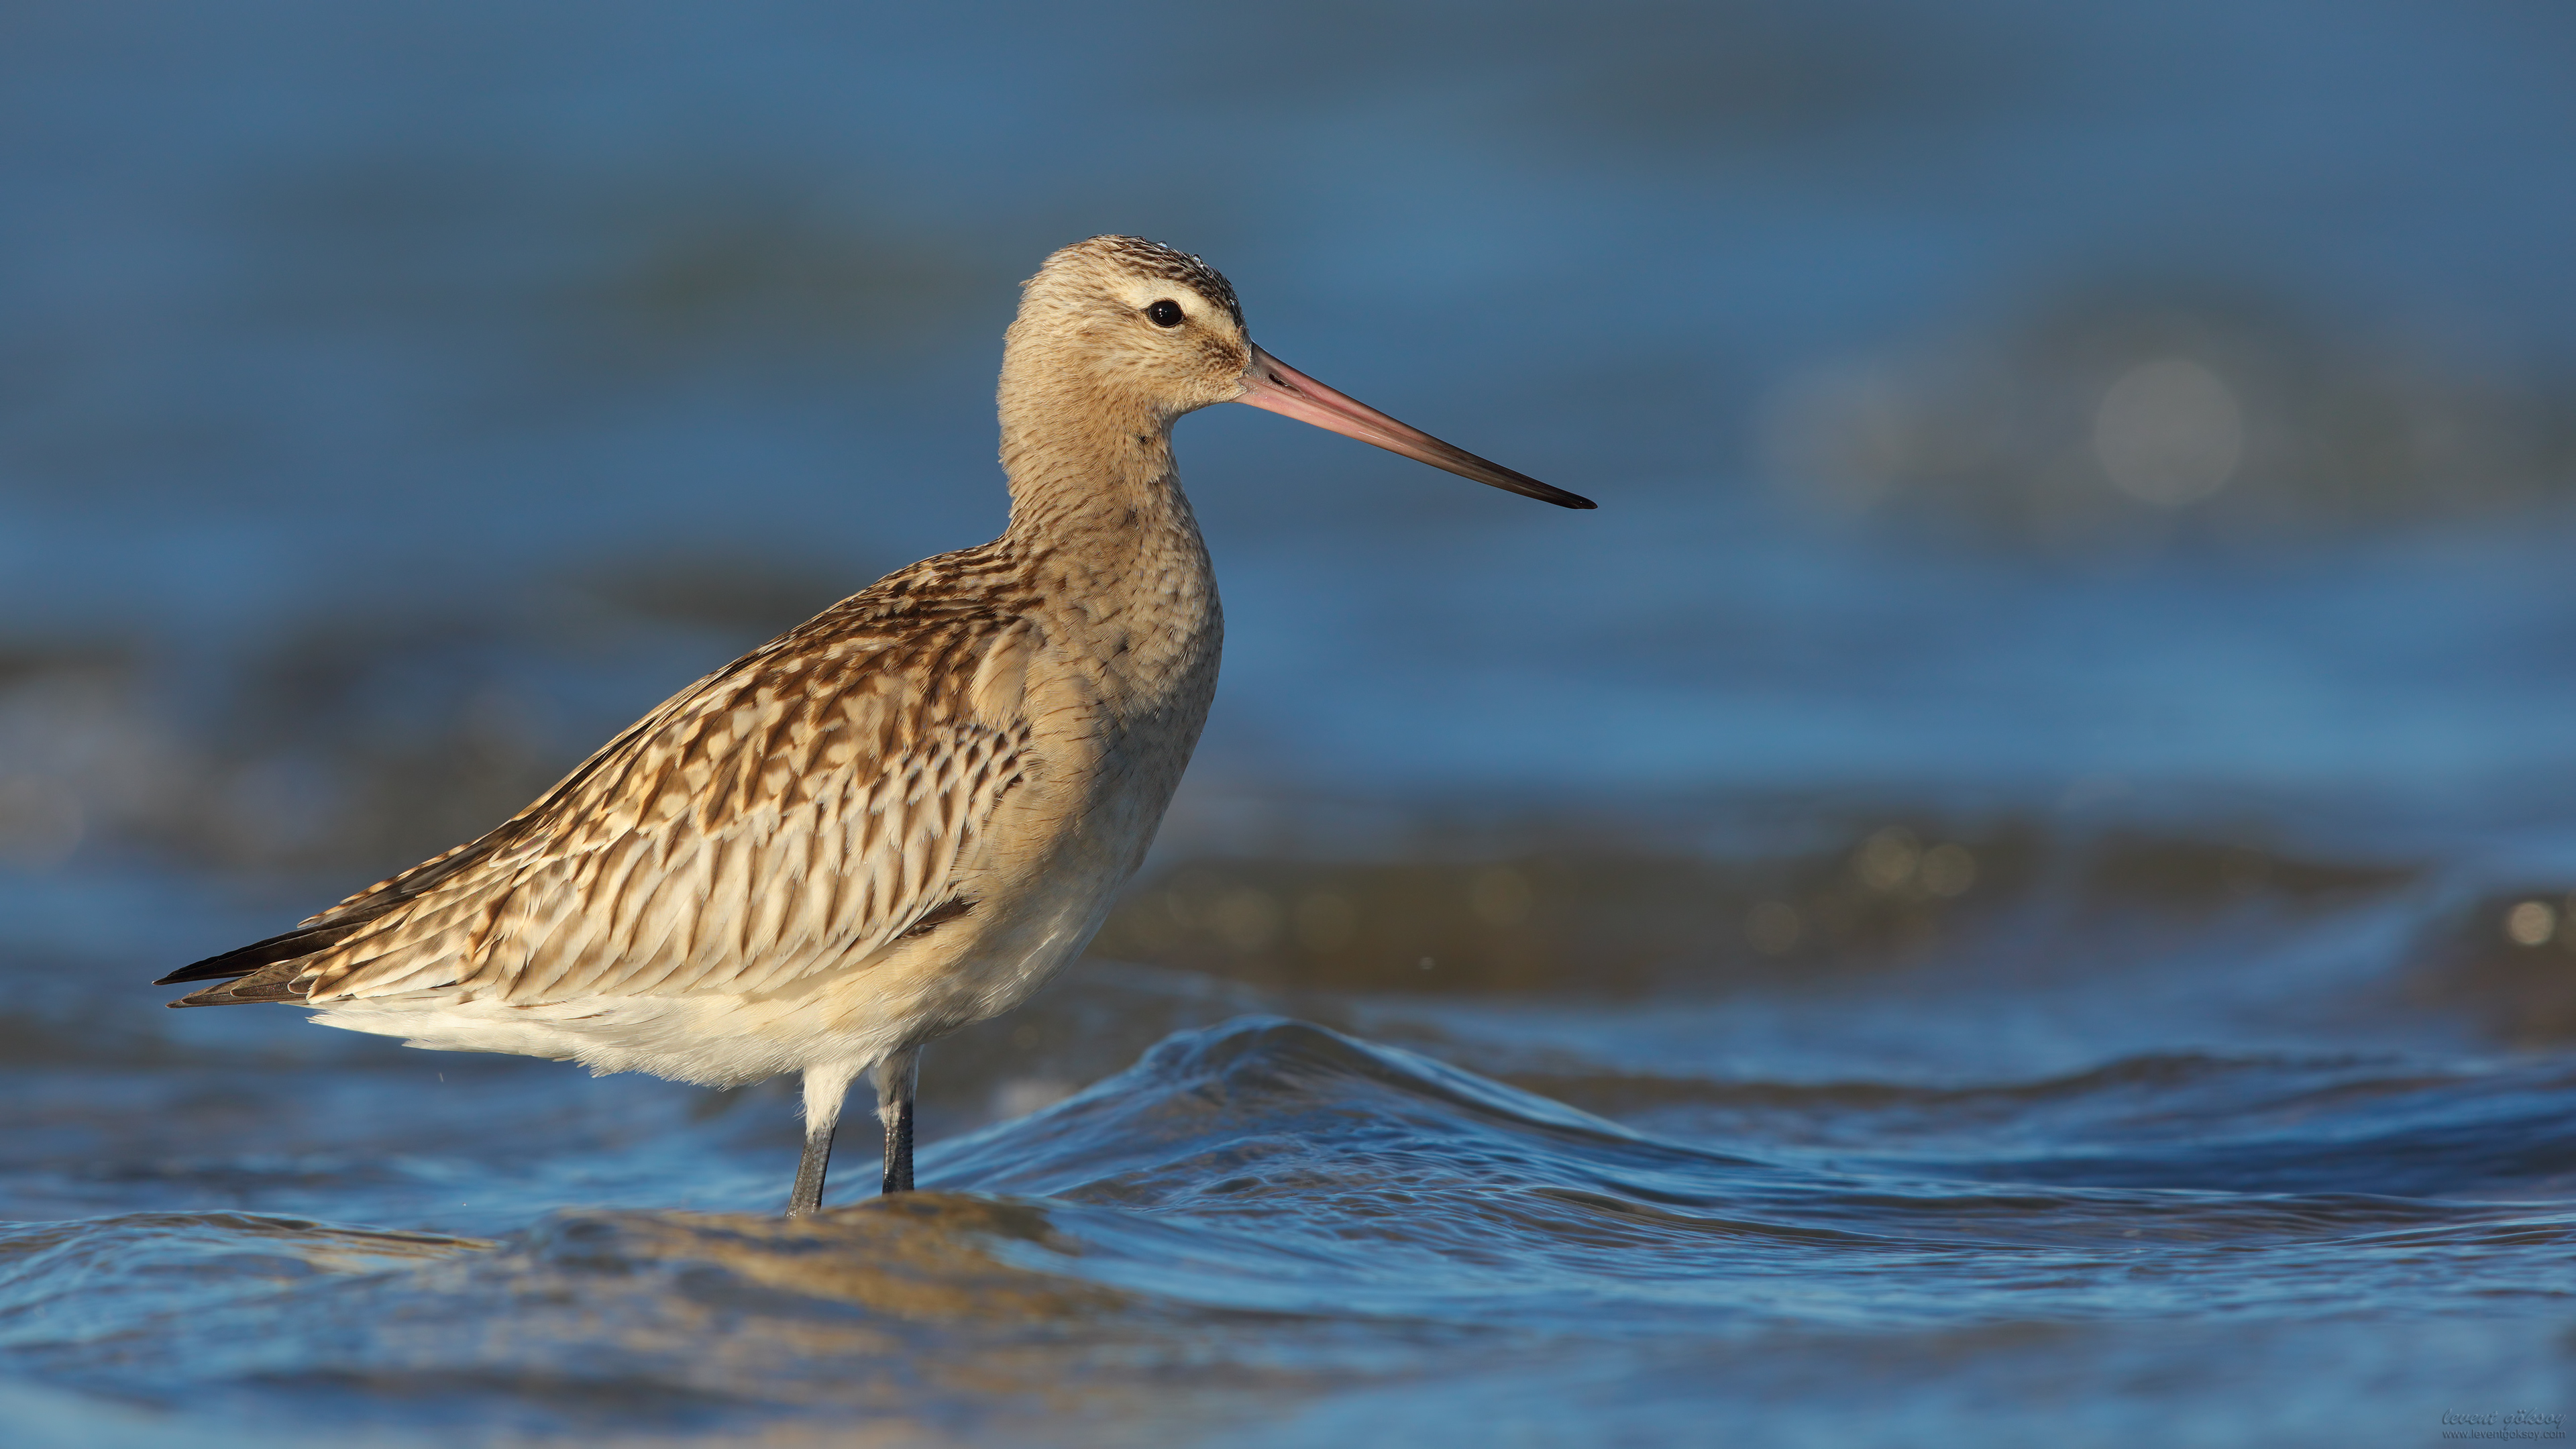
{"points": [[896, 819]]}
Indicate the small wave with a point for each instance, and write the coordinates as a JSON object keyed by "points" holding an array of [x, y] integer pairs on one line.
{"points": [[1263, 1208], [71, 1281], [1268, 1078], [1266, 1152]]}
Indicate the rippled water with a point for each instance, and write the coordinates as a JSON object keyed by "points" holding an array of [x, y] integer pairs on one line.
{"points": [[2116, 1161]]}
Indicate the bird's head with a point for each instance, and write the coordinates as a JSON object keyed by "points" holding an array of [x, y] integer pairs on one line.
{"points": [[1134, 329]]}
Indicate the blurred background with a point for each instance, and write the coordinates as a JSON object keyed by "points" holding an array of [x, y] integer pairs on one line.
{"points": [[1987, 401], [2006, 417], [2088, 493], [2001, 408]]}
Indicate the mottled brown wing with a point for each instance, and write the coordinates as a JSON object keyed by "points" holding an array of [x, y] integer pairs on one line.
{"points": [[786, 815]]}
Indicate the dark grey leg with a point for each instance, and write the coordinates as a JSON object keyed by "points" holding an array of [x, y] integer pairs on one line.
{"points": [[808, 1193], [824, 1088], [895, 1078]]}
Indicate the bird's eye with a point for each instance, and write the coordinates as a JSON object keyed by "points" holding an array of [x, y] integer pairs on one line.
{"points": [[1166, 313]]}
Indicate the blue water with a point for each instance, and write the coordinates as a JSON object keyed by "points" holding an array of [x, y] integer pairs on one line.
{"points": [[1544, 1021]]}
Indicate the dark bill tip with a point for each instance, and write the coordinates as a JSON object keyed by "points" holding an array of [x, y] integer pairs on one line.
{"points": [[1274, 385]]}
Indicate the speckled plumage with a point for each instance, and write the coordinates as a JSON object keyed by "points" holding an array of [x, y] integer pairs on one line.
{"points": [[900, 817]]}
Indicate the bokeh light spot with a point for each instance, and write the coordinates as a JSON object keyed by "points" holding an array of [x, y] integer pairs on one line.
{"points": [[2531, 923], [2169, 432], [1887, 860]]}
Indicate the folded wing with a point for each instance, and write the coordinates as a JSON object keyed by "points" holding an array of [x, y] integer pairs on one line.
{"points": [[789, 814]]}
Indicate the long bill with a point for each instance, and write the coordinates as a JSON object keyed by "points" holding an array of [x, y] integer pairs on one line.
{"points": [[1272, 384]]}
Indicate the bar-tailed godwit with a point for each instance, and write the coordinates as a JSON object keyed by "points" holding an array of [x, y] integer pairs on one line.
{"points": [[894, 820]]}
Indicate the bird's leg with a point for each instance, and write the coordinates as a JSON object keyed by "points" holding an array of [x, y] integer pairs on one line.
{"points": [[824, 1088], [895, 1077], [807, 1195]]}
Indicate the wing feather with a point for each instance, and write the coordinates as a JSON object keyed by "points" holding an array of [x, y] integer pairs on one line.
{"points": [[793, 812]]}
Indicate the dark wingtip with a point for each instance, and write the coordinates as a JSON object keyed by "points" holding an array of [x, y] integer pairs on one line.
{"points": [[213, 968], [246, 960]]}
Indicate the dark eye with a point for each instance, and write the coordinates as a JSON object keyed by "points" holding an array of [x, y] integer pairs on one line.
{"points": [[1166, 313]]}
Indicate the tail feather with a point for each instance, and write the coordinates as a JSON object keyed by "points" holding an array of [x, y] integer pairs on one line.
{"points": [[267, 970], [260, 971], [272, 984], [243, 960]]}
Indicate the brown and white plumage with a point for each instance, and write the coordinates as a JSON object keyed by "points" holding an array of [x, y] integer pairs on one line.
{"points": [[898, 818], [808, 803]]}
